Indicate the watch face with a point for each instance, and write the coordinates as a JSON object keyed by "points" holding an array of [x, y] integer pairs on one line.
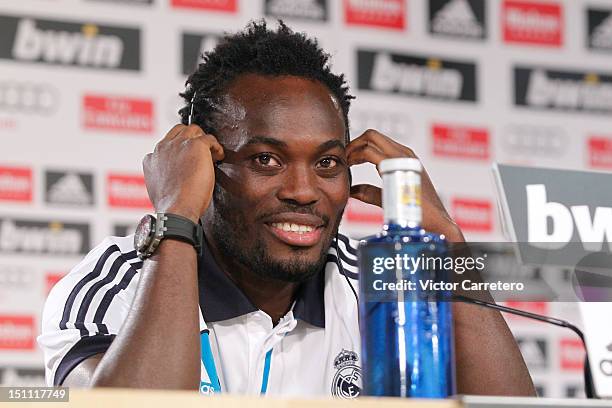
{"points": [[144, 233]]}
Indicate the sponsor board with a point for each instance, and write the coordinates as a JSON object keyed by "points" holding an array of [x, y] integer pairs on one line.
{"points": [[8, 124], [15, 278], [227, 6], [70, 43], [376, 13], [600, 152], [117, 113], [16, 184], [599, 35], [563, 90], [458, 18], [572, 354], [51, 278], [534, 351], [36, 237], [460, 141], [534, 140], [393, 124], [540, 308], [473, 215], [549, 209], [127, 191], [22, 377], [69, 188], [123, 230], [17, 332], [28, 98], [574, 391], [313, 10], [416, 75], [194, 45], [138, 2], [361, 213], [532, 22], [540, 390]]}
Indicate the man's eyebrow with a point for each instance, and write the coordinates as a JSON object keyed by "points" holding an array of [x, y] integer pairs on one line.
{"points": [[265, 140], [330, 144]]}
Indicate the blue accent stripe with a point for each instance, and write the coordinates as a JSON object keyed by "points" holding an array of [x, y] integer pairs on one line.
{"points": [[209, 361], [266, 372]]}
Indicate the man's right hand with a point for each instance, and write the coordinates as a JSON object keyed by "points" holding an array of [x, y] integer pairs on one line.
{"points": [[180, 174]]}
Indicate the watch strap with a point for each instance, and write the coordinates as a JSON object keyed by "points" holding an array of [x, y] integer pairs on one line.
{"points": [[177, 227]]}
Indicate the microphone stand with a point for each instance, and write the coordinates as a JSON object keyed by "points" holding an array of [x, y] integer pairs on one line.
{"points": [[589, 386]]}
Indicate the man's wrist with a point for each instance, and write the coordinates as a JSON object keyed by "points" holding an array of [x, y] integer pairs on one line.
{"points": [[183, 212]]}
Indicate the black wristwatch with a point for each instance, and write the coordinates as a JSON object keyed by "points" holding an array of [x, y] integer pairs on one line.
{"points": [[151, 230]]}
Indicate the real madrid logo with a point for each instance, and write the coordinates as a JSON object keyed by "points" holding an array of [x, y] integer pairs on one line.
{"points": [[348, 378]]}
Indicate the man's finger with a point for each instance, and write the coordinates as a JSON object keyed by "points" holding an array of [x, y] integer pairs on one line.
{"points": [[193, 131], [216, 150], [381, 142], [367, 193], [172, 133], [366, 154]]}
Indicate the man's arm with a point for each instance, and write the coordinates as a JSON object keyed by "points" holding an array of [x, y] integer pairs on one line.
{"points": [[488, 359], [158, 345]]}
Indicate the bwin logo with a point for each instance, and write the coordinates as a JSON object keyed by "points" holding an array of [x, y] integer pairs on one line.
{"points": [[593, 232], [86, 48]]}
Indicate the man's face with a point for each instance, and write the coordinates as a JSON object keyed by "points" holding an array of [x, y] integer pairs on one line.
{"points": [[282, 188]]}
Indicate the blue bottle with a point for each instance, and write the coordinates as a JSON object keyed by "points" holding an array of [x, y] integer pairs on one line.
{"points": [[406, 333]]}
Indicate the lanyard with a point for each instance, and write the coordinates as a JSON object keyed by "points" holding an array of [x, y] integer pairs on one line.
{"points": [[213, 385]]}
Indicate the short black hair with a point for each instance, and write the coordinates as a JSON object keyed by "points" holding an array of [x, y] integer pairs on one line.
{"points": [[258, 50]]}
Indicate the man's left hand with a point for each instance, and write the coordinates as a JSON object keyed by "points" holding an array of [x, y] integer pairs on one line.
{"points": [[374, 147]]}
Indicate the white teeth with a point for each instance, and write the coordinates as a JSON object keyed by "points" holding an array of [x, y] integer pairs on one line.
{"points": [[290, 227]]}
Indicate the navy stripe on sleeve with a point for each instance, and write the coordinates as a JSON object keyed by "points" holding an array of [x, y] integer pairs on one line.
{"points": [[108, 298], [334, 259], [347, 243], [87, 278], [86, 347]]}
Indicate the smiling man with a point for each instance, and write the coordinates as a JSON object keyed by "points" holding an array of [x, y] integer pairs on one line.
{"points": [[253, 301]]}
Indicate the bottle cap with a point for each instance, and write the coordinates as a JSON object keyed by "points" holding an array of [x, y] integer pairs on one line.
{"points": [[400, 164]]}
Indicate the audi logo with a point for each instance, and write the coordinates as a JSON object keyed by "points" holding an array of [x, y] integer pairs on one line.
{"points": [[393, 124], [606, 367], [534, 140], [28, 97]]}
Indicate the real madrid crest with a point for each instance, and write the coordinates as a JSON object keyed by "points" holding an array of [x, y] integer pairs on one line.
{"points": [[347, 381]]}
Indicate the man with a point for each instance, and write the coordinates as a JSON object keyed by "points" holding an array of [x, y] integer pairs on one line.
{"points": [[264, 308]]}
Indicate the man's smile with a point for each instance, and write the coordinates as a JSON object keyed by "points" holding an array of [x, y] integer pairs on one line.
{"points": [[296, 229]]}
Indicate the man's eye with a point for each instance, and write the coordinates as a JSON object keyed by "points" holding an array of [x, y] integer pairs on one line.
{"points": [[328, 163], [266, 159]]}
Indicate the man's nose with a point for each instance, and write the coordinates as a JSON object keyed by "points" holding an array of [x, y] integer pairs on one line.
{"points": [[300, 186]]}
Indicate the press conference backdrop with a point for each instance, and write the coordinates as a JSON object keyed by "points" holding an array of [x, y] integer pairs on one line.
{"points": [[88, 86]]}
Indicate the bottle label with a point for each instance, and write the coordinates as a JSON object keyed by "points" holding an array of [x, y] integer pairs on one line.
{"points": [[402, 198]]}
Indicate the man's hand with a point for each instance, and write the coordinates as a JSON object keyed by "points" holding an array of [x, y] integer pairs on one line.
{"points": [[180, 174], [374, 147]]}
